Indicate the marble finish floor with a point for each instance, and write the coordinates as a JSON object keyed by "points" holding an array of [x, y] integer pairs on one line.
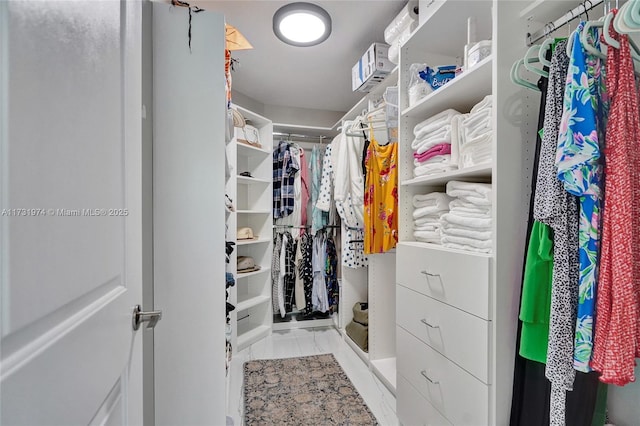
{"points": [[312, 341]]}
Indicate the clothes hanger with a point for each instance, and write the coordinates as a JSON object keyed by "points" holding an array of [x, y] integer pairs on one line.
{"points": [[528, 60], [546, 44], [585, 40], [516, 79]]}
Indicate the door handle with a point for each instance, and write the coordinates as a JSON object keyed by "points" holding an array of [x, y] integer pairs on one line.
{"points": [[150, 317], [429, 274]]}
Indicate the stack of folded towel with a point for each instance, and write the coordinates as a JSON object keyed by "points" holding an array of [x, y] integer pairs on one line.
{"points": [[476, 135], [433, 151], [429, 209], [467, 226]]}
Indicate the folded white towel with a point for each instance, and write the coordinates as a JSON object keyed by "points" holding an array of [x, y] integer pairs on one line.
{"points": [[427, 237], [469, 222], [467, 248], [483, 244], [430, 220], [443, 135], [430, 228], [432, 169], [466, 233], [432, 129], [442, 117], [431, 199], [462, 212], [486, 102], [476, 125], [457, 203], [475, 193], [429, 210], [457, 137], [445, 225], [476, 151]]}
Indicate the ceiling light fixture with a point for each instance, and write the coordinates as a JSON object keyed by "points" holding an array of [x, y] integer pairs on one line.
{"points": [[302, 24]]}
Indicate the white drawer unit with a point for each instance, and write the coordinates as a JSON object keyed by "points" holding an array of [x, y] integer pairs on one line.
{"points": [[458, 335], [457, 279], [456, 394], [414, 410]]}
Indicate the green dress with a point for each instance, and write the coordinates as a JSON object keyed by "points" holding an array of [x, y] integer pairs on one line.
{"points": [[536, 294]]}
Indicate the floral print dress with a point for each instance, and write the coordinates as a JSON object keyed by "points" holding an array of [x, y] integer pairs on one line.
{"points": [[381, 198], [579, 169]]}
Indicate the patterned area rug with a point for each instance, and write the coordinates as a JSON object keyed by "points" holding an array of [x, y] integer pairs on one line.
{"points": [[311, 390]]}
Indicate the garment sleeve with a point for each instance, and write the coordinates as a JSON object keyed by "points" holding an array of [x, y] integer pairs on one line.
{"points": [[326, 187]]}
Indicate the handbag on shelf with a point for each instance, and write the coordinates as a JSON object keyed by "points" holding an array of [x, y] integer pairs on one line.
{"points": [[246, 133]]}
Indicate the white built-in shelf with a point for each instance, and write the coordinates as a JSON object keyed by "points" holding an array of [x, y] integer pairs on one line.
{"points": [[251, 302], [356, 110], [450, 18], [545, 11], [469, 174], [250, 274], [249, 151], [461, 93], [252, 336], [385, 369], [249, 242], [295, 324], [253, 211], [256, 119], [252, 180], [443, 248]]}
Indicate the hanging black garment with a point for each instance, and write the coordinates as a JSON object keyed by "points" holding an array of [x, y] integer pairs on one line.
{"points": [[290, 273]]}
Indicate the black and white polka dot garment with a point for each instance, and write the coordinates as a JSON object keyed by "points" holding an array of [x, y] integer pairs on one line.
{"points": [[305, 269], [352, 252], [554, 206]]}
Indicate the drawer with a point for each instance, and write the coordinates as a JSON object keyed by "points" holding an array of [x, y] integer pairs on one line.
{"points": [[457, 279], [413, 409], [456, 394], [448, 330]]}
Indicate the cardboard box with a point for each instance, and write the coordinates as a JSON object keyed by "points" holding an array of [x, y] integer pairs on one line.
{"points": [[372, 68]]}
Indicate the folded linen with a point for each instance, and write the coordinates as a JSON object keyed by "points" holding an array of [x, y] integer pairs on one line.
{"points": [[475, 193], [429, 210], [430, 220], [476, 151], [441, 136], [477, 125], [438, 159], [466, 233], [431, 199], [439, 149], [457, 137], [457, 203], [444, 116], [467, 241], [485, 103], [444, 224], [469, 222], [433, 226], [467, 248], [431, 169], [428, 237]]}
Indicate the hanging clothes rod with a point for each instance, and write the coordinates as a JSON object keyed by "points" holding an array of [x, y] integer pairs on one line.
{"points": [[297, 136], [565, 19]]}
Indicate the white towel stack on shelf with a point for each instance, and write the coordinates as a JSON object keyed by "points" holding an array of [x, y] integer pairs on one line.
{"points": [[476, 135], [468, 224], [427, 216], [434, 133]]}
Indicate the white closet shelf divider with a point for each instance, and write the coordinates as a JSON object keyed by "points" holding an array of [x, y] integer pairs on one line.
{"points": [[461, 93], [253, 211], [249, 150], [251, 302], [445, 249], [249, 242], [479, 173], [244, 180], [253, 335], [250, 274], [545, 11]]}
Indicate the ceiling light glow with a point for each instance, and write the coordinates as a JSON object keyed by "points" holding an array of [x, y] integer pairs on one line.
{"points": [[302, 24]]}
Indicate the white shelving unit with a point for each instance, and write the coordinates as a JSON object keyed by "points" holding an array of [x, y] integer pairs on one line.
{"points": [[439, 290], [252, 197], [375, 284]]}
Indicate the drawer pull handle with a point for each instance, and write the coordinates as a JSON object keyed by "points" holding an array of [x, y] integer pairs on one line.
{"points": [[424, 374], [428, 274], [425, 322]]}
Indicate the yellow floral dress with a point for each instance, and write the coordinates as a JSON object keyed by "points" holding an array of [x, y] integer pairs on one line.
{"points": [[381, 198]]}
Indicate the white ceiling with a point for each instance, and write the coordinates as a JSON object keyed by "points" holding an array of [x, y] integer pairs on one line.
{"points": [[317, 77]]}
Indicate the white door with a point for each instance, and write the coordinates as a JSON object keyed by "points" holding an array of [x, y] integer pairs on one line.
{"points": [[70, 147], [188, 216]]}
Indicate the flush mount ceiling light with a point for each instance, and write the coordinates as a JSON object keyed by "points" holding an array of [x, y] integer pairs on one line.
{"points": [[302, 24]]}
